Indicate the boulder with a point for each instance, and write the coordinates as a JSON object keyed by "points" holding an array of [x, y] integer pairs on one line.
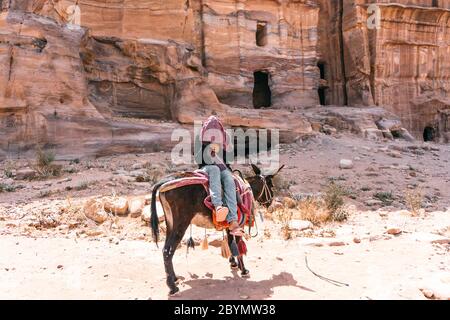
{"points": [[116, 205], [93, 209], [406, 135], [25, 174], [373, 202], [346, 164], [147, 213], [388, 124], [135, 206]]}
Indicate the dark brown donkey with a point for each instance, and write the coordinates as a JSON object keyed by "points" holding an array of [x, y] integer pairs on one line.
{"points": [[183, 206]]}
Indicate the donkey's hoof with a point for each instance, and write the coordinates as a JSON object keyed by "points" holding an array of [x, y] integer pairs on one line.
{"points": [[174, 292], [245, 273]]}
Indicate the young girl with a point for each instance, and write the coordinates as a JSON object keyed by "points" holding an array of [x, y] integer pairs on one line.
{"points": [[213, 161]]}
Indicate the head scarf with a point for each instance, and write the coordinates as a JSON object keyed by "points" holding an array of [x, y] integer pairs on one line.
{"points": [[213, 132]]}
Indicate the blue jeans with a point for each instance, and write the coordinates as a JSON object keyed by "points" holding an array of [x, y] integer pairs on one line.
{"points": [[218, 178]]}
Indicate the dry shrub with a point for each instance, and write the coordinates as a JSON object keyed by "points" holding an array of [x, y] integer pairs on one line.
{"points": [[267, 233], [152, 174], [313, 209], [334, 197], [330, 207], [44, 157], [334, 201], [284, 216], [9, 167], [44, 164], [413, 199]]}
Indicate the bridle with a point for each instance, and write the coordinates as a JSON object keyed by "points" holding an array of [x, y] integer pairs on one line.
{"points": [[265, 191]]}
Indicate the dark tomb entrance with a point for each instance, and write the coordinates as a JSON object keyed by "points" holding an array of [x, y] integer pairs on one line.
{"points": [[262, 97]]}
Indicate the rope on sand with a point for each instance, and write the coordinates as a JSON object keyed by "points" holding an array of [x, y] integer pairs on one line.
{"points": [[336, 283]]}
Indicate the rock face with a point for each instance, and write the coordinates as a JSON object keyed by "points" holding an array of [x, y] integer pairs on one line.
{"points": [[253, 62], [399, 64], [252, 52]]}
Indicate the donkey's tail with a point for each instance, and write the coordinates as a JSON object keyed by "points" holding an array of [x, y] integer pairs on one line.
{"points": [[154, 221]]}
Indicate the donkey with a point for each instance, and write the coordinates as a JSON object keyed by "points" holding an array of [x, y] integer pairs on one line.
{"points": [[184, 205]]}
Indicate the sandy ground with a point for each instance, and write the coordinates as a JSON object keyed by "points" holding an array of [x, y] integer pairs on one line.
{"points": [[48, 252]]}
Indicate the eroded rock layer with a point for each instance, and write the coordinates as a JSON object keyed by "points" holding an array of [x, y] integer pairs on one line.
{"points": [[69, 69]]}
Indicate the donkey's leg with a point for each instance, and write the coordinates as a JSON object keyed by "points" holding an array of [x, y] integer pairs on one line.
{"points": [[176, 229], [172, 242], [240, 262]]}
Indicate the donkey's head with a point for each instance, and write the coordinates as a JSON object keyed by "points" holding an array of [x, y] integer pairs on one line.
{"points": [[262, 186]]}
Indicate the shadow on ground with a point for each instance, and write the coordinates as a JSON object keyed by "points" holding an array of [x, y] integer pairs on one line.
{"points": [[235, 287]]}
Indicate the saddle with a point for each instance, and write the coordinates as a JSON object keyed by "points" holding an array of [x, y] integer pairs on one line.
{"points": [[244, 195]]}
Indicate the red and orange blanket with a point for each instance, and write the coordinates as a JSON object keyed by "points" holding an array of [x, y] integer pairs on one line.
{"points": [[243, 189]]}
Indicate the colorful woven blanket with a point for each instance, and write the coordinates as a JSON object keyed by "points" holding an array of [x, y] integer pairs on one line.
{"points": [[244, 195]]}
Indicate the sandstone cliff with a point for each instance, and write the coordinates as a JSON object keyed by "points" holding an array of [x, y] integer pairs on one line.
{"points": [[253, 62]]}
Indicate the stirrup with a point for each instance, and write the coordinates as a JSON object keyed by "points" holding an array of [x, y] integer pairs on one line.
{"points": [[237, 232]]}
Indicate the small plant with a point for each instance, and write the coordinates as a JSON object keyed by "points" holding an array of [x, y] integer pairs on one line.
{"points": [[44, 158], [9, 167], [8, 173], [413, 199], [284, 216], [7, 188], [334, 197], [45, 193], [341, 214], [44, 164], [386, 197], [267, 233], [152, 174], [71, 170]]}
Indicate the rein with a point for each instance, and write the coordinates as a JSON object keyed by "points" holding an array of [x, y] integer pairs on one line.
{"points": [[264, 191]]}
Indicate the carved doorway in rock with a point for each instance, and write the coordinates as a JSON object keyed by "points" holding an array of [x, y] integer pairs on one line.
{"points": [[323, 84], [429, 134], [261, 33], [262, 96]]}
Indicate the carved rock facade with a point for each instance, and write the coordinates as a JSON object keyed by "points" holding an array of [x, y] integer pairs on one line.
{"points": [[253, 62]]}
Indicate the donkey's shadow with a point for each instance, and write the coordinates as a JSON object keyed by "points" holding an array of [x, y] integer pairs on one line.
{"points": [[232, 288]]}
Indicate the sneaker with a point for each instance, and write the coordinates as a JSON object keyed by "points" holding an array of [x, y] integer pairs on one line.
{"points": [[221, 213]]}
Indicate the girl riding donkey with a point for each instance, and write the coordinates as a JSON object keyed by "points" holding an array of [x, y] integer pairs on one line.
{"points": [[184, 203], [213, 159]]}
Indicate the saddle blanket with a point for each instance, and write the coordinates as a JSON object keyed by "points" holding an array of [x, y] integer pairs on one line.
{"points": [[243, 193]]}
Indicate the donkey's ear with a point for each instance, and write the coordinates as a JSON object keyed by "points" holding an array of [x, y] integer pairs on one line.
{"points": [[278, 171], [256, 170]]}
